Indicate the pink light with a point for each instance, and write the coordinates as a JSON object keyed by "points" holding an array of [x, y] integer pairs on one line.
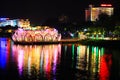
{"points": [[20, 29], [30, 35], [106, 5], [20, 61]]}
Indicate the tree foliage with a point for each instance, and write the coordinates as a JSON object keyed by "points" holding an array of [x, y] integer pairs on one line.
{"points": [[106, 22]]}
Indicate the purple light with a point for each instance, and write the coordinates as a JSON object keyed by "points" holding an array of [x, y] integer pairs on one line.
{"points": [[20, 61]]}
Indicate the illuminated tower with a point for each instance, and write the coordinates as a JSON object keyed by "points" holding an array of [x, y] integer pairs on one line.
{"points": [[92, 13]]}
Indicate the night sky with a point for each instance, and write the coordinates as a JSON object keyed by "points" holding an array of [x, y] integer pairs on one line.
{"points": [[37, 12]]}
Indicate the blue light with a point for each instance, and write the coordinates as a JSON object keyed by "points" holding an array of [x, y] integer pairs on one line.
{"points": [[3, 19], [3, 53]]}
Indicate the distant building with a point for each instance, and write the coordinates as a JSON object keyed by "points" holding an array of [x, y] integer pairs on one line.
{"points": [[92, 13], [14, 22], [3, 19]]}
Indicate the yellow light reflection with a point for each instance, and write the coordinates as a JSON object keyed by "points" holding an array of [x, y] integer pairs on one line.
{"points": [[81, 56], [37, 58]]}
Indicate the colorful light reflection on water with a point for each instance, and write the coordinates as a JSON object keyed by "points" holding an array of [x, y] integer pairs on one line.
{"points": [[4, 51], [36, 60], [55, 62]]}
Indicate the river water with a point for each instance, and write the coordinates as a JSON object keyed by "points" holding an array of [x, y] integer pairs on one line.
{"points": [[58, 62]]}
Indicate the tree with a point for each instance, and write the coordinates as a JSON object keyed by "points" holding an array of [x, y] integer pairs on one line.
{"points": [[106, 22], [116, 32]]}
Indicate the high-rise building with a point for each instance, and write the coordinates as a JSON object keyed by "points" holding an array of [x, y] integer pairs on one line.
{"points": [[92, 13]]}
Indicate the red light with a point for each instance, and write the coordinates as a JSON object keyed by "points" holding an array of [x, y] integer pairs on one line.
{"points": [[106, 5]]}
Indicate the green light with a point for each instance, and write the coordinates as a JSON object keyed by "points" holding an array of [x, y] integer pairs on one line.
{"points": [[73, 55], [78, 49], [97, 58], [73, 50], [102, 51], [92, 49], [92, 36], [102, 36], [97, 36], [97, 53]]}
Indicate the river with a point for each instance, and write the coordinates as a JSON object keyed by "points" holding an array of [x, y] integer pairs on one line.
{"points": [[71, 61]]}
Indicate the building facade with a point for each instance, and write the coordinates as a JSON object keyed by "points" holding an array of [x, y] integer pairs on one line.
{"points": [[14, 22], [92, 13]]}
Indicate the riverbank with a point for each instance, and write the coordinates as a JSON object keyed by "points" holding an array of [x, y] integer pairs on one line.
{"points": [[48, 42], [83, 42], [100, 42]]}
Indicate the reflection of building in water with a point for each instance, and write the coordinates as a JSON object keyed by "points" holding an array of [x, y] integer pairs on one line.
{"points": [[89, 60], [95, 60], [41, 59], [105, 67], [81, 57]]}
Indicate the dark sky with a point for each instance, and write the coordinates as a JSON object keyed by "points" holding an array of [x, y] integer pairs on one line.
{"points": [[38, 10]]}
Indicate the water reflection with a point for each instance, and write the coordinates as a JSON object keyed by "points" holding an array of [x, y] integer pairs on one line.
{"points": [[4, 51], [58, 62], [94, 62], [90, 62], [36, 60]]}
